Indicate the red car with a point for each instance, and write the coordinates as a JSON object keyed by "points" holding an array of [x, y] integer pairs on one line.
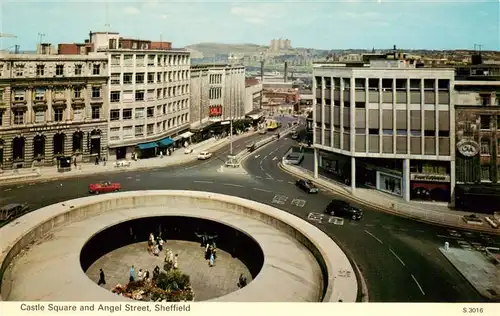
{"points": [[104, 187]]}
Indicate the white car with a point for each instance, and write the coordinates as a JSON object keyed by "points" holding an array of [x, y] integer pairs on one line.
{"points": [[204, 155], [188, 150]]}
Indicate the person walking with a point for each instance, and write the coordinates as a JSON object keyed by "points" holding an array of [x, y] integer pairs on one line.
{"points": [[132, 274], [102, 278], [212, 260]]}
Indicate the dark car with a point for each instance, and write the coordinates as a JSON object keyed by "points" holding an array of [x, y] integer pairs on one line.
{"points": [[307, 186], [13, 210], [343, 209]]}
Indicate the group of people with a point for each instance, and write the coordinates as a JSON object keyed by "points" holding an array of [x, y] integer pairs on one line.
{"points": [[143, 275], [155, 245], [170, 258], [210, 254]]}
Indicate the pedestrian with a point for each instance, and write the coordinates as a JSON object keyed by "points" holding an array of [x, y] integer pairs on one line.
{"points": [[104, 161], [96, 161], [132, 274], [74, 162], [156, 250], [211, 262], [160, 244], [146, 277], [102, 278], [176, 261], [242, 282], [161, 154], [140, 274]]}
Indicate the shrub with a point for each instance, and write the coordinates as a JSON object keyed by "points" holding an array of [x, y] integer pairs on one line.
{"points": [[173, 280]]}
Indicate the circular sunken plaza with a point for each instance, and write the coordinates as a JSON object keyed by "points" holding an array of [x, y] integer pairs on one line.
{"points": [[55, 253]]}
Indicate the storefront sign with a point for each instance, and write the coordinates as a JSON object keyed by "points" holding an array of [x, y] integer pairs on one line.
{"points": [[430, 177], [468, 148], [48, 128], [215, 110]]}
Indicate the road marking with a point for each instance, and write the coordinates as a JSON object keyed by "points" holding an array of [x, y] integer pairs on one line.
{"points": [[257, 156], [258, 177], [263, 190], [279, 180], [221, 169], [33, 183], [370, 225], [200, 181], [7, 190], [137, 179], [45, 181], [315, 217], [128, 178], [374, 237], [397, 257], [20, 186], [187, 168], [280, 199], [418, 284], [275, 158], [233, 185], [336, 220], [420, 231], [269, 176], [298, 202], [291, 182]]}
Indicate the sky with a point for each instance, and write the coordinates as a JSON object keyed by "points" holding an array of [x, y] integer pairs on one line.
{"points": [[333, 24]]}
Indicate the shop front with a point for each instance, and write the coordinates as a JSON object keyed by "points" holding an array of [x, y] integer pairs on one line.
{"points": [[430, 187], [335, 166], [390, 182]]}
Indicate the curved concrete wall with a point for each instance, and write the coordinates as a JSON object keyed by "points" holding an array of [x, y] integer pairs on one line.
{"points": [[339, 278]]}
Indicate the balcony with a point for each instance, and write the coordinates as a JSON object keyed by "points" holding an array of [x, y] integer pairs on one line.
{"points": [[59, 101], [96, 100]]}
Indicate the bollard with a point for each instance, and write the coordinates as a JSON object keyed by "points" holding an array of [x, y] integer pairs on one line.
{"points": [[446, 246]]}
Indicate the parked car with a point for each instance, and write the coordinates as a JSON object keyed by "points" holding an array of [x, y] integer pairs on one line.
{"points": [[307, 186], [204, 155], [104, 187], [188, 151], [294, 158], [12, 210], [343, 209]]}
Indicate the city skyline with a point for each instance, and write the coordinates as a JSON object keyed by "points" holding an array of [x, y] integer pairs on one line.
{"points": [[353, 24]]}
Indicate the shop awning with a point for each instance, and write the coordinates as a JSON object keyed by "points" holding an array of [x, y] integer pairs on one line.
{"points": [[187, 134], [165, 142], [147, 146], [176, 138]]}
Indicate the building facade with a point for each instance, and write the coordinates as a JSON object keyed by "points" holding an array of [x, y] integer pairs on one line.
{"points": [[148, 94], [52, 106], [477, 110], [253, 94], [387, 125]]}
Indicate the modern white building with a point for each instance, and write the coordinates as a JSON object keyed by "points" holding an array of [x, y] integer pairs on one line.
{"points": [[385, 124], [148, 93]]}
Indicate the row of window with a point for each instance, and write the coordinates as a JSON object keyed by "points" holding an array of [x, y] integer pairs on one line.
{"points": [[149, 95], [23, 70], [20, 117], [41, 94], [487, 173], [384, 83], [149, 77], [487, 122], [215, 79], [214, 93], [126, 114], [486, 147], [391, 132], [149, 60], [130, 131]]}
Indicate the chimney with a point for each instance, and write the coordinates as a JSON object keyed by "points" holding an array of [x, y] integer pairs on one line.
{"points": [[286, 72]]}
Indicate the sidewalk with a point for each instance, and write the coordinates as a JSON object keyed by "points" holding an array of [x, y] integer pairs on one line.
{"points": [[432, 213], [178, 157]]}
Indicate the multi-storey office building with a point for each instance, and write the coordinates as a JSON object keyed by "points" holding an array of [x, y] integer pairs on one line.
{"points": [[385, 124], [52, 106], [477, 110], [148, 93]]}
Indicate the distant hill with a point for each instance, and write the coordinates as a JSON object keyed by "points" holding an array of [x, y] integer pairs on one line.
{"points": [[213, 49]]}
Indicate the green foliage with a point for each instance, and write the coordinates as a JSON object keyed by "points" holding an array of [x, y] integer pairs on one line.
{"points": [[173, 280], [168, 266]]}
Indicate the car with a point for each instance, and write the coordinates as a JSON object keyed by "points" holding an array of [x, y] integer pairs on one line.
{"points": [[188, 151], [204, 155], [104, 187], [343, 209], [294, 158], [307, 186], [12, 210]]}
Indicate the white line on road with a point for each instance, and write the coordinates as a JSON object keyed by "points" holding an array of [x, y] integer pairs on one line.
{"points": [[32, 183], [418, 284], [7, 190], [20, 186], [374, 237], [279, 180], [263, 190], [196, 181], [397, 257], [258, 177], [269, 176], [291, 182], [233, 185]]}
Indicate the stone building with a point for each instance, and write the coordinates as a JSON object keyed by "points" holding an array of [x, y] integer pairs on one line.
{"points": [[52, 106]]}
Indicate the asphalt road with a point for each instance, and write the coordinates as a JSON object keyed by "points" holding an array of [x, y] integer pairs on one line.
{"points": [[398, 258]]}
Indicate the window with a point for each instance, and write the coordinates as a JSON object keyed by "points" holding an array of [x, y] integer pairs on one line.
{"points": [[158, 94], [115, 78], [58, 115], [18, 117], [114, 115], [127, 114], [59, 94], [1, 95], [498, 117], [39, 94], [96, 69], [127, 78], [59, 70], [78, 69], [115, 96], [151, 77], [77, 114], [96, 92], [485, 147], [39, 116], [115, 60], [96, 112], [444, 134], [485, 173], [151, 60], [485, 121], [19, 95], [139, 113], [151, 111], [127, 60], [139, 60], [139, 77], [429, 133], [485, 99], [77, 93], [150, 129], [40, 70], [158, 77], [19, 70], [139, 95], [139, 130]]}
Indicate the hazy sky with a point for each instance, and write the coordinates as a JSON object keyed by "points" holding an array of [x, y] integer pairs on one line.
{"points": [[330, 24]]}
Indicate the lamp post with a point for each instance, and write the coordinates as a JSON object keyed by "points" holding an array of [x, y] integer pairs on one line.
{"points": [[231, 106]]}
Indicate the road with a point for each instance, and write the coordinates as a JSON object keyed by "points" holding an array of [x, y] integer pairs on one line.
{"points": [[398, 257]]}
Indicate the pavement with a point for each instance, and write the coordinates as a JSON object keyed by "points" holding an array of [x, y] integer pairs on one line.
{"points": [[397, 257]]}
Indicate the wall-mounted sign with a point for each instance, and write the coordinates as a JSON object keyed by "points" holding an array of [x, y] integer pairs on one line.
{"points": [[430, 177], [468, 148], [49, 128], [215, 110]]}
